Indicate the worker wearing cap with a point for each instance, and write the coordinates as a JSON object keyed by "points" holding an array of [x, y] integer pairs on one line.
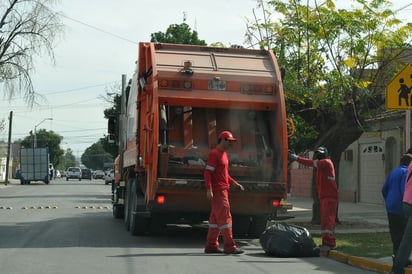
{"points": [[327, 193], [218, 182]]}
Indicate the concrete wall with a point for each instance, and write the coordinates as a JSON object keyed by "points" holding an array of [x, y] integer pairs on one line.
{"points": [[349, 177]]}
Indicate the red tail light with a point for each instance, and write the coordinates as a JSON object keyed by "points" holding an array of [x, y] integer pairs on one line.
{"points": [[277, 203], [161, 199]]}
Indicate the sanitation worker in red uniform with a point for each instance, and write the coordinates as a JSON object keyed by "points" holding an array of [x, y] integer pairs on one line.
{"points": [[327, 193], [218, 182]]}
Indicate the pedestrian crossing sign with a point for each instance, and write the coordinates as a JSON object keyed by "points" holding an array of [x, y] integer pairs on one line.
{"points": [[399, 90]]}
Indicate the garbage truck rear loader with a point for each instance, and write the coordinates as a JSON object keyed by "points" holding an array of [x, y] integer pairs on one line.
{"points": [[180, 98]]}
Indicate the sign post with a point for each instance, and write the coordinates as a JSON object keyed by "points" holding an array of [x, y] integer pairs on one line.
{"points": [[398, 97]]}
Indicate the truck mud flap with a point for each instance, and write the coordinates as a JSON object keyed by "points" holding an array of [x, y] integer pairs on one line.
{"points": [[143, 214]]}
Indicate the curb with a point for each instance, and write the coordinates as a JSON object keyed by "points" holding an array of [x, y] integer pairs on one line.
{"points": [[361, 262]]}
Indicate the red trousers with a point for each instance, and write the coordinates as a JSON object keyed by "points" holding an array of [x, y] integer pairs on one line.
{"points": [[220, 222], [328, 208]]}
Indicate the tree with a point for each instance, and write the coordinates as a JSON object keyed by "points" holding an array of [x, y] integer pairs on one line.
{"points": [[68, 160], [48, 139], [95, 156], [337, 61], [177, 34], [27, 28]]}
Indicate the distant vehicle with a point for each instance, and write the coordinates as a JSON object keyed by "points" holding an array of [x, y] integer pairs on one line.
{"points": [[99, 174], [86, 173], [109, 177], [74, 173], [34, 165]]}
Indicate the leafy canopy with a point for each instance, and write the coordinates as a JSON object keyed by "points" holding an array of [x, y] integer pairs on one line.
{"points": [[337, 62]]}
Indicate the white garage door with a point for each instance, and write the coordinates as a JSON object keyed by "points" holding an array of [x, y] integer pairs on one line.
{"points": [[372, 170]]}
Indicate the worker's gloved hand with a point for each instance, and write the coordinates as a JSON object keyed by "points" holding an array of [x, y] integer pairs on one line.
{"points": [[292, 157]]}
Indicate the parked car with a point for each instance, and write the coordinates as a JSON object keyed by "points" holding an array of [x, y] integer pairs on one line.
{"points": [[86, 173], [98, 174], [109, 179], [74, 173]]}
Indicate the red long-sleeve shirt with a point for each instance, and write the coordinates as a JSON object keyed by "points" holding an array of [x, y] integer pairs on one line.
{"points": [[217, 171], [325, 176]]}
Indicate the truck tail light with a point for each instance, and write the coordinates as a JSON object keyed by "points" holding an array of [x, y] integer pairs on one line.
{"points": [[278, 203], [160, 199]]}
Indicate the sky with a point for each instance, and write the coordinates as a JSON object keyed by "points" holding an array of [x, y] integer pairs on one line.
{"points": [[99, 44]]}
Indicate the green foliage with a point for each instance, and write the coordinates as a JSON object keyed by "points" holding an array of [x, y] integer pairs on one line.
{"points": [[95, 156], [178, 34], [67, 160], [363, 244], [48, 139], [305, 135], [337, 61]]}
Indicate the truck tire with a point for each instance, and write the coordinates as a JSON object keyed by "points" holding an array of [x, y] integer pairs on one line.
{"points": [[138, 224], [118, 211], [257, 226]]}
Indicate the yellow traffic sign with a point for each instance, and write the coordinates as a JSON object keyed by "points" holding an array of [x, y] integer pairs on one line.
{"points": [[399, 90]]}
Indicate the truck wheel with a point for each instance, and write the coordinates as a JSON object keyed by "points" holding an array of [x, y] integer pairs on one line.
{"points": [[257, 226], [118, 211], [138, 224]]}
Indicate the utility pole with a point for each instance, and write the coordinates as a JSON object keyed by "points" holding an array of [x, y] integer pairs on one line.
{"points": [[8, 148], [122, 118], [35, 129]]}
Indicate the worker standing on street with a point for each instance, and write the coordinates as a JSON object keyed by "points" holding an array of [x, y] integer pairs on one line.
{"points": [[218, 182], [327, 194]]}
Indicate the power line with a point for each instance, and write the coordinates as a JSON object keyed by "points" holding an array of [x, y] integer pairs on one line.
{"points": [[80, 88], [98, 29], [404, 7]]}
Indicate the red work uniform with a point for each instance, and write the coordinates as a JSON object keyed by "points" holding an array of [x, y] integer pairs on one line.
{"points": [[218, 179], [328, 197]]}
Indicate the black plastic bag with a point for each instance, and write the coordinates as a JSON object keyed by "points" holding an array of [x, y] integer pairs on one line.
{"points": [[286, 240]]}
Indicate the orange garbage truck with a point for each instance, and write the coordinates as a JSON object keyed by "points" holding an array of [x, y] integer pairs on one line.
{"points": [[179, 99]]}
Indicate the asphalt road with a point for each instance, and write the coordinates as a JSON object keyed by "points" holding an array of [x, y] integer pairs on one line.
{"points": [[67, 227]]}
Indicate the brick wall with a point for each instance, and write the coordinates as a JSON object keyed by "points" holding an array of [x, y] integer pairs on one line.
{"points": [[301, 180]]}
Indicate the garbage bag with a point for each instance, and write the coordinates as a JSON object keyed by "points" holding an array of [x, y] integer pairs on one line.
{"points": [[287, 240]]}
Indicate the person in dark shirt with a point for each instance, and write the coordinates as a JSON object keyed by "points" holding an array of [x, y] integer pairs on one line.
{"points": [[392, 192]]}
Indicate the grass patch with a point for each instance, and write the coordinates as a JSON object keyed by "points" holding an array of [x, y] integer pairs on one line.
{"points": [[372, 245]]}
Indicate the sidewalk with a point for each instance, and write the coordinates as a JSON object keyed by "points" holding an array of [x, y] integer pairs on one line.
{"points": [[373, 218], [10, 182]]}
